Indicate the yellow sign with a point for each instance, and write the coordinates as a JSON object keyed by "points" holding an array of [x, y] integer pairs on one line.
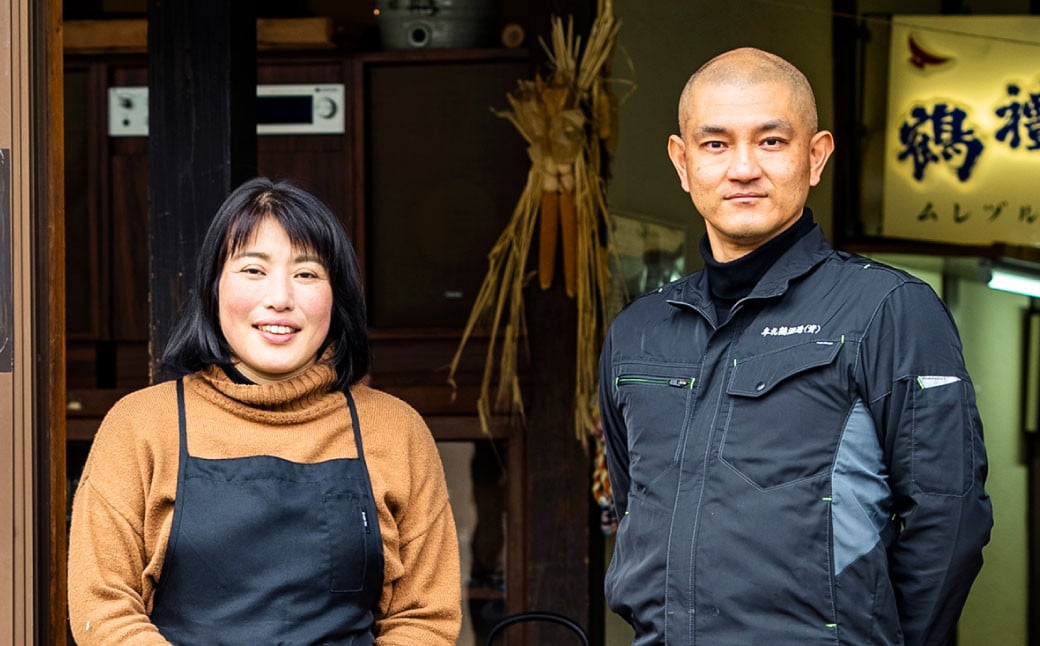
{"points": [[962, 146]]}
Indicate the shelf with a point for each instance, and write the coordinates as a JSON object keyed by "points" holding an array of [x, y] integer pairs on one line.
{"points": [[443, 55], [130, 35]]}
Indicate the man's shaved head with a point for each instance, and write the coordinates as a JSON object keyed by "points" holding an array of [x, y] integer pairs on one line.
{"points": [[750, 66]]}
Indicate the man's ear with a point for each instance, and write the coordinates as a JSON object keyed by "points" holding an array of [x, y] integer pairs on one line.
{"points": [[677, 153], [820, 148]]}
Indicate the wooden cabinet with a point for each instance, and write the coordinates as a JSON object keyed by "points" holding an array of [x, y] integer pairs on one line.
{"points": [[106, 186]]}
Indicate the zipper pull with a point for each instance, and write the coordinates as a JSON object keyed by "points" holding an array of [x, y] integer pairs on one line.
{"points": [[680, 382], [364, 520]]}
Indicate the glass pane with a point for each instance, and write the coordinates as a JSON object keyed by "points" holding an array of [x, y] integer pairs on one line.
{"points": [[476, 474]]}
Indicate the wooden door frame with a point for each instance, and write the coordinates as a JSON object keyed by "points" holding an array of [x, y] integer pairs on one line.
{"points": [[1032, 451], [49, 409], [1031, 457], [32, 606]]}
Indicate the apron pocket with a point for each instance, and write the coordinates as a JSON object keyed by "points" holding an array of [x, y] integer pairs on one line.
{"points": [[348, 528]]}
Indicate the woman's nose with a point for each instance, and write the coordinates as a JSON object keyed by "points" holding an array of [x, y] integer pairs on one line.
{"points": [[279, 293]]}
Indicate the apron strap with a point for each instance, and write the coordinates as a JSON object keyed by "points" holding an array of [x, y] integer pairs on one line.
{"points": [[182, 424], [182, 430], [361, 452], [354, 423]]}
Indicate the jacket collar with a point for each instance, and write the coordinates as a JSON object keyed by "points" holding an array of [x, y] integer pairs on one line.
{"points": [[804, 254]]}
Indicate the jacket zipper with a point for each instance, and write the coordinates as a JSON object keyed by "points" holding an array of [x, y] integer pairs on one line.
{"points": [[686, 383], [674, 382]]}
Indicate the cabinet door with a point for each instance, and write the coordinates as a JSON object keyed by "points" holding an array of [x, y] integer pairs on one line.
{"points": [[127, 209], [442, 177], [106, 227], [85, 300]]}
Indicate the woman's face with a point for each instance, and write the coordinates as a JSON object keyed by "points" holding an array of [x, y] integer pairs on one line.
{"points": [[275, 304]]}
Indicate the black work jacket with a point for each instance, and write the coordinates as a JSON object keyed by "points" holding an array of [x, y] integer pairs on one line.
{"points": [[807, 471]]}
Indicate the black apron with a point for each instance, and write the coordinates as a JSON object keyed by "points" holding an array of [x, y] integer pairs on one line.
{"points": [[267, 551]]}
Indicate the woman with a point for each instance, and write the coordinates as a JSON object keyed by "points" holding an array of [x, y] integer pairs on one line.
{"points": [[266, 495]]}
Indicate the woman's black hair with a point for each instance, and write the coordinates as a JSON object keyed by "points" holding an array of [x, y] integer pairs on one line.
{"points": [[197, 340]]}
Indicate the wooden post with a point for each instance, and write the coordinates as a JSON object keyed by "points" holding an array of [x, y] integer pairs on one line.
{"points": [[49, 327], [202, 136], [558, 486], [846, 223], [1032, 453], [563, 570]]}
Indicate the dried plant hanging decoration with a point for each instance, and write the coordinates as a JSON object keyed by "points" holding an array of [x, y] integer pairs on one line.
{"points": [[569, 122]]}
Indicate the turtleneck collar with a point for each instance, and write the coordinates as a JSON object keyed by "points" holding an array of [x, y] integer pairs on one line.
{"points": [[285, 401], [235, 375], [731, 281]]}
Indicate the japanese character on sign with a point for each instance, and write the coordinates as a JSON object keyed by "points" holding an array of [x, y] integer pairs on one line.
{"points": [[1026, 212], [1019, 114], [939, 135]]}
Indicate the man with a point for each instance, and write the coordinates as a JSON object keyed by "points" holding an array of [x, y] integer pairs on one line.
{"points": [[792, 436]]}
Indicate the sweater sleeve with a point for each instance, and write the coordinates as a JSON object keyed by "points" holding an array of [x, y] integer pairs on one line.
{"points": [[107, 555], [421, 602]]}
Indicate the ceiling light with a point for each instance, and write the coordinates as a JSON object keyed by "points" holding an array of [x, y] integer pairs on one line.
{"points": [[1018, 282]]}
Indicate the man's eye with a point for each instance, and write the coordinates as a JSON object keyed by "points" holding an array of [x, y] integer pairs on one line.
{"points": [[773, 141], [714, 145]]}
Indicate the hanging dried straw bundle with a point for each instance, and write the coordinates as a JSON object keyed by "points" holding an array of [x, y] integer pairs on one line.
{"points": [[567, 119]]}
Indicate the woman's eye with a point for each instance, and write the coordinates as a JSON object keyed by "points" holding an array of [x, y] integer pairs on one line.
{"points": [[309, 274], [253, 271]]}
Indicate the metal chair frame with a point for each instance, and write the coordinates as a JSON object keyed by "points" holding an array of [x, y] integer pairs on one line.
{"points": [[550, 617]]}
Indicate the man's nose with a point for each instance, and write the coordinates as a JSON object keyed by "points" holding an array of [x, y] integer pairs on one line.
{"points": [[744, 165]]}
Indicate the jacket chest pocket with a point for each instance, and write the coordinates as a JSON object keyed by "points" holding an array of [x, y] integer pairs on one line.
{"points": [[784, 413], [655, 402]]}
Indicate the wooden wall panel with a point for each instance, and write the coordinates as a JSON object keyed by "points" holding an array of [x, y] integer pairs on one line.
{"points": [[49, 607], [16, 592]]}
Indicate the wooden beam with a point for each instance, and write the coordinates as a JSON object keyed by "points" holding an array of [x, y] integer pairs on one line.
{"points": [[1031, 449], [562, 574], [49, 425], [202, 136], [558, 484], [130, 35], [846, 220]]}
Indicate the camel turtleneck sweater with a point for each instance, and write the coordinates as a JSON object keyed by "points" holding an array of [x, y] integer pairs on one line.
{"points": [[123, 508]]}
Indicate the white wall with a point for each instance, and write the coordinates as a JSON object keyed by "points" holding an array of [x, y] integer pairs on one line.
{"points": [[991, 328]]}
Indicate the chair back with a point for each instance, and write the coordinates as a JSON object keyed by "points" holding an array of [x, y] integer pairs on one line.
{"points": [[549, 617]]}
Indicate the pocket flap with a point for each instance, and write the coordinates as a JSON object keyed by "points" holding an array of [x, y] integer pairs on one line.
{"points": [[757, 375]]}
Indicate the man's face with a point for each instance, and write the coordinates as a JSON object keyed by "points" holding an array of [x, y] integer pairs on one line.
{"points": [[747, 159]]}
